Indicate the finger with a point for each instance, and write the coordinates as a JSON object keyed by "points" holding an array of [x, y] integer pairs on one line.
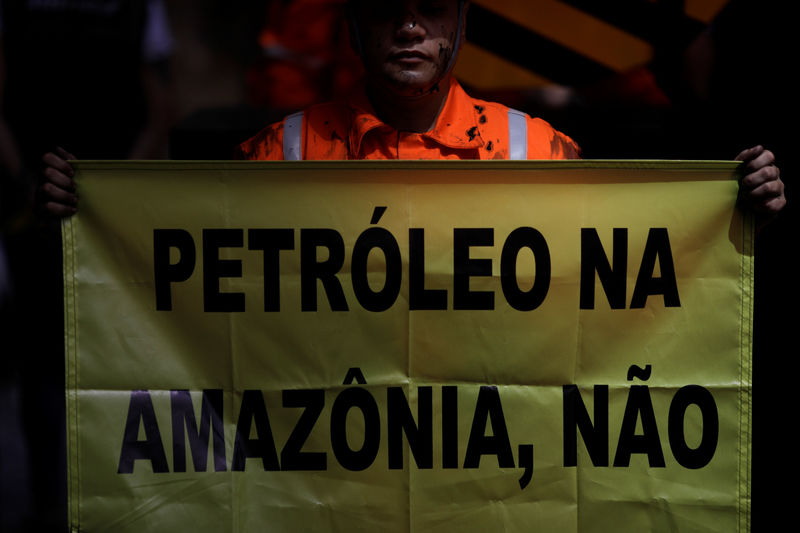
{"points": [[767, 174], [764, 159], [774, 206], [768, 190], [52, 160], [58, 179], [767, 199], [746, 155], [59, 195], [64, 154], [771, 207], [58, 210]]}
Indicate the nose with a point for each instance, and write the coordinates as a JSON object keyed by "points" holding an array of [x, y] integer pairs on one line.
{"points": [[408, 27]]}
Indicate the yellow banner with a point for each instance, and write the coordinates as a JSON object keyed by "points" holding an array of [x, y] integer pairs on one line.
{"points": [[413, 346]]}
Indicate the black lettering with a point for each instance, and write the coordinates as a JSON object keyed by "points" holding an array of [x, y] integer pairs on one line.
{"points": [[593, 259], [635, 371], [639, 405], [355, 398], [263, 446], [354, 374], [210, 420], [400, 420], [384, 241], [518, 239], [215, 268], [488, 408], [657, 247], [419, 297], [377, 213], [271, 242], [449, 426], [151, 448], [167, 273], [325, 271], [576, 417], [525, 461], [702, 398], [292, 456], [465, 268]]}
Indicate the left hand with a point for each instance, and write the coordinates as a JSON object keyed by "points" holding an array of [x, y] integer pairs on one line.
{"points": [[761, 188]]}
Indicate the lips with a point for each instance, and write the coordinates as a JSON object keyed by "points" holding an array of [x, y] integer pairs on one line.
{"points": [[408, 56]]}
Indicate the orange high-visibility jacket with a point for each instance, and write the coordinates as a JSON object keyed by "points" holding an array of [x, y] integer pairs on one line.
{"points": [[466, 128]]}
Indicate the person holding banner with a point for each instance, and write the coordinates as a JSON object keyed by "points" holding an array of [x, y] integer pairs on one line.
{"points": [[411, 107]]}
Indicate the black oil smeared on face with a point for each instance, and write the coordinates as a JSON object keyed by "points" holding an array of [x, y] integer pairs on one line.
{"points": [[444, 55]]}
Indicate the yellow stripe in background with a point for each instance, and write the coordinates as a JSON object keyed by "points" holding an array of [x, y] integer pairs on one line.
{"points": [[577, 31], [484, 70], [570, 27]]}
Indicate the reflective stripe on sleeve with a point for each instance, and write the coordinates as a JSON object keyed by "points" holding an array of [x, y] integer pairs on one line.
{"points": [[517, 135], [292, 136]]}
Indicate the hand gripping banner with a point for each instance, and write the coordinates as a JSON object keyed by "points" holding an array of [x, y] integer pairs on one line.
{"points": [[412, 346]]}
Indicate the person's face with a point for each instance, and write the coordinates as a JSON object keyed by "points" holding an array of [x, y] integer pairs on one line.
{"points": [[407, 44]]}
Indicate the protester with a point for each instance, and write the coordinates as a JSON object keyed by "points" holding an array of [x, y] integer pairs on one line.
{"points": [[409, 106], [305, 57], [409, 88]]}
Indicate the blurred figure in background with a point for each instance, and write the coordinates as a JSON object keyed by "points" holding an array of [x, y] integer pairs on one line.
{"points": [[238, 69], [93, 76], [307, 57]]}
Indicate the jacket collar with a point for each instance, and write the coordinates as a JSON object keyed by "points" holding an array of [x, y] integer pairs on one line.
{"points": [[455, 127]]}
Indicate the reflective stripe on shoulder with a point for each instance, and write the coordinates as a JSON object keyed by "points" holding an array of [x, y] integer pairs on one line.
{"points": [[292, 137], [517, 134]]}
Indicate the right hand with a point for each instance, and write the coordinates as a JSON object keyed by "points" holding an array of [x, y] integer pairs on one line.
{"points": [[57, 197]]}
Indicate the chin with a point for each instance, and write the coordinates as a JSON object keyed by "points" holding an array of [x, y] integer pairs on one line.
{"points": [[411, 85]]}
